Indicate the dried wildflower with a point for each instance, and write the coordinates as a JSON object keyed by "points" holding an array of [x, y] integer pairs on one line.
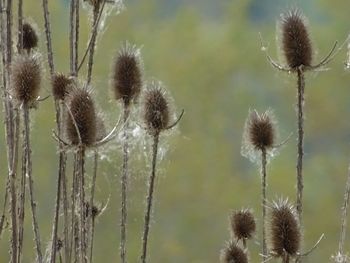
{"points": [[284, 229], [233, 254], [127, 74], [26, 78], [242, 224], [30, 38], [61, 84], [82, 109], [259, 135], [296, 43], [156, 109]]}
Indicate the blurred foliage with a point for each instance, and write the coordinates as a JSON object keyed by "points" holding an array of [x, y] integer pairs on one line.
{"points": [[214, 68]]}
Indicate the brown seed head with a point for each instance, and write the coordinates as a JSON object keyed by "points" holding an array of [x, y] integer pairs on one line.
{"points": [[261, 130], [26, 78], [242, 224], [61, 85], [285, 232], [30, 38], [156, 109], [296, 42], [233, 254], [82, 109], [127, 75]]}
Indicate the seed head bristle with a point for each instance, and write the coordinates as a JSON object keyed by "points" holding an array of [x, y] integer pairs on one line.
{"points": [[261, 130], [82, 109], [26, 78], [296, 42], [242, 224], [127, 75], [61, 85], [156, 109], [233, 254], [284, 229], [30, 38]]}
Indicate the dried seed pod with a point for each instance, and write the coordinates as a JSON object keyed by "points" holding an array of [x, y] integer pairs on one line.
{"points": [[82, 109], [127, 75], [285, 233], [243, 224], [233, 254], [30, 38], [26, 78], [296, 43], [156, 109], [61, 85], [261, 130]]}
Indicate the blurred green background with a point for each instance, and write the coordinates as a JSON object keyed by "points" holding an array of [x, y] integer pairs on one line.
{"points": [[208, 55]]}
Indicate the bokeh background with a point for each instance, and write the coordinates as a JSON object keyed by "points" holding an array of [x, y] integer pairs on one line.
{"points": [[208, 55]]}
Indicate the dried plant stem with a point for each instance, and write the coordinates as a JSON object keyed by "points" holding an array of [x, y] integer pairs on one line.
{"points": [[74, 36], [48, 36], [82, 214], [2, 219], [300, 185], [344, 215], [31, 183], [124, 183], [11, 144], [91, 229], [149, 198], [93, 35], [93, 41], [20, 26], [285, 258], [74, 225], [263, 201], [22, 195]]}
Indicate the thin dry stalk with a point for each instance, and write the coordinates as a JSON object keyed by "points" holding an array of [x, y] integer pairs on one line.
{"points": [[22, 195], [300, 107], [74, 238], [344, 215], [91, 224], [82, 208], [263, 202], [124, 183], [31, 183], [20, 26], [149, 198], [93, 41], [48, 36]]}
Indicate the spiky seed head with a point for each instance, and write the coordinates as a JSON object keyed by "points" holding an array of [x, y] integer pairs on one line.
{"points": [[82, 109], [242, 224], [233, 254], [127, 75], [296, 42], [284, 229], [30, 38], [156, 109], [61, 85], [26, 78], [261, 130]]}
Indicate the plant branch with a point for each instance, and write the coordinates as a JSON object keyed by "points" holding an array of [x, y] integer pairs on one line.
{"points": [[149, 198]]}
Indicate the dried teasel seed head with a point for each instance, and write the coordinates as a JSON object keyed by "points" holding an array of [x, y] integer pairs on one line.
{"points": [[127, 74], [243, 224], [284, 229], [156, 109], [296, 43], [61, 85], [26, 78], [30, 38], [82, 109], [233, 254], [261, 130]]}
